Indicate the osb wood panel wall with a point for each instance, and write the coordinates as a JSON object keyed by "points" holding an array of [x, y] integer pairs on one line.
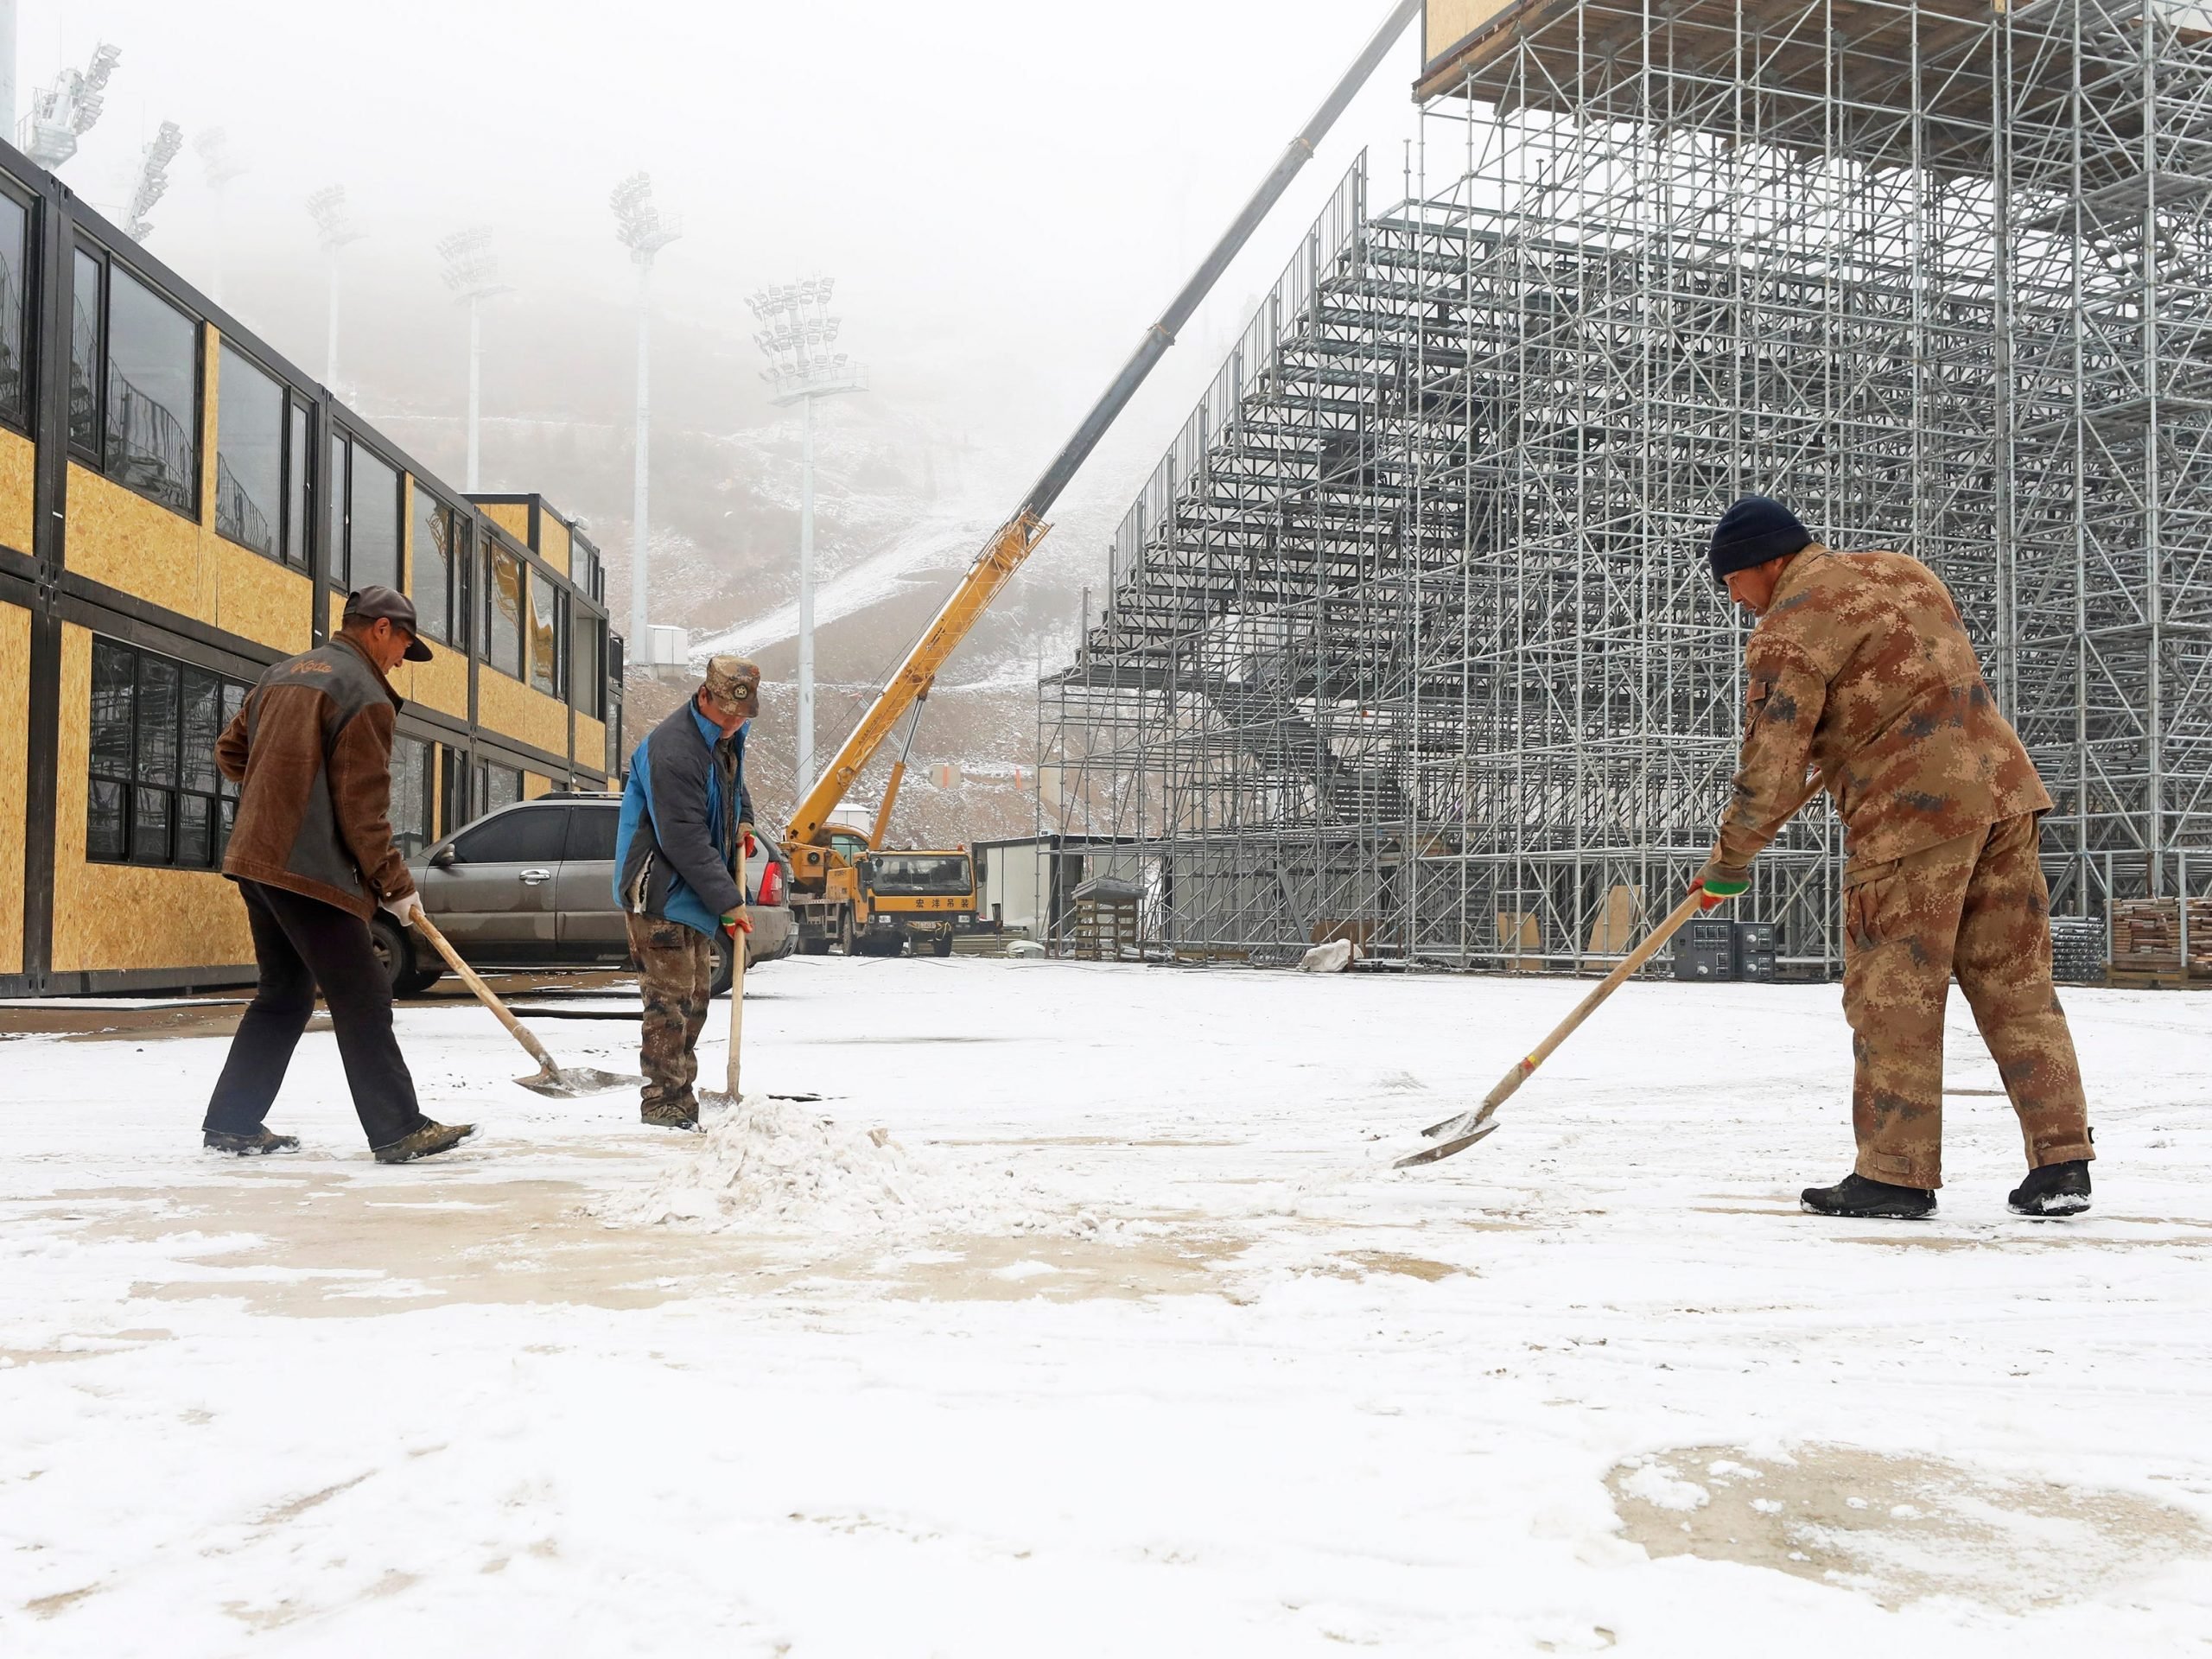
{"points": [[591, 744], [125, 542], [1450, 22], [553, 537], [14, 743], [533, 785], [441, 684], [509, 708], [513, 517], [113, 917], [18, 462]]}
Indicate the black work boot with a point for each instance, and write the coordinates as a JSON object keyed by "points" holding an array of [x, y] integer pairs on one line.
{"points": [[1860, 1199], [426, 1142], [673, 1115], [2053, 1192], [260, 1141]]}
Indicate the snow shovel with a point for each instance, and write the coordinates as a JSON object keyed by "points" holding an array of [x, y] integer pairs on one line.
{"points": [[1458, 1134], [738, 942], [560, 1082]]}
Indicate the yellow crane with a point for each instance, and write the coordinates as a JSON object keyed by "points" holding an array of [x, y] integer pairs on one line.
{"points": [[846, 888]]}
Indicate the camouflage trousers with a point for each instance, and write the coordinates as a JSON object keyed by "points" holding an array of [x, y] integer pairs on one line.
{"points": [[675, 972], [1976, 907]]}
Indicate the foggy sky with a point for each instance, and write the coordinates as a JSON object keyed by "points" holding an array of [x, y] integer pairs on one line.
{"points": [[1007, 194]]}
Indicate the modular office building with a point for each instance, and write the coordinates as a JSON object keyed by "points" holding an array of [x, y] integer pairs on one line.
{"points": [[180, 507]]}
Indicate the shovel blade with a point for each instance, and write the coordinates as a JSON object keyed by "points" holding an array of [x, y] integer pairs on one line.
{"points": [[1445, 1148], [571, 1082]]}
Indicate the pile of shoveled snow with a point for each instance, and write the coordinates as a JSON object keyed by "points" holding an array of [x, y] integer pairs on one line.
{"points": [[784, 1165]]}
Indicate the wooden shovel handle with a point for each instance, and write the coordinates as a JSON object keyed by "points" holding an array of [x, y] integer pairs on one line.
{"points": [[483, 993], [1653, 943], [737, 954]]}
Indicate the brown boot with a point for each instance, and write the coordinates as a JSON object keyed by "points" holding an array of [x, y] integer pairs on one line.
{"points": [[682, 1115], [425, 1143]]}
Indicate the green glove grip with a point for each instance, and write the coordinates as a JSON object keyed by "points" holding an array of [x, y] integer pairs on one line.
{"points": [[1722, 886]]}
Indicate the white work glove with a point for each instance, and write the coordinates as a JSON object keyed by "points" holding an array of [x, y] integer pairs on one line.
{"points": [[406, 910]]}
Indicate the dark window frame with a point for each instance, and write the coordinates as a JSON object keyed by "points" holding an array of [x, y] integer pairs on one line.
{"points": [[412, 840], [34, 222], [399, 476], [555, 681], [96, 454], [455, 563], [290, 466], [222, 804], [493, 553]]}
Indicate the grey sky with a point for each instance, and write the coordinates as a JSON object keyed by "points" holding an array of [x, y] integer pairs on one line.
{"points": [[1007, 193]]}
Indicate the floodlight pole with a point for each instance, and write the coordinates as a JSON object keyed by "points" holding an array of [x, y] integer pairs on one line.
{"points": [[8, 64], [330, 308], [806, 603], [476, 382], [641, 531]]}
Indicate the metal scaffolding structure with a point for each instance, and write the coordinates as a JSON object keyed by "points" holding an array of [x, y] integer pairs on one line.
{"points": [[1407, 639]]}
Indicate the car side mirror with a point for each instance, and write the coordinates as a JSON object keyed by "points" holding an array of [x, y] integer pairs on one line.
{"points": [[443, 858]]}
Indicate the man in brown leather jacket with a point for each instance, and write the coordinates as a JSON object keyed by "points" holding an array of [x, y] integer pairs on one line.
{"points": [[313, 854], [1863, 682]]}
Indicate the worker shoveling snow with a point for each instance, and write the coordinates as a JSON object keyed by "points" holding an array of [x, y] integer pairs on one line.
{"points": [[777, 1165]]}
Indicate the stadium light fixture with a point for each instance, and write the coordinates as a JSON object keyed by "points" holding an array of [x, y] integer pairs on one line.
{"points": [[153, 178]]}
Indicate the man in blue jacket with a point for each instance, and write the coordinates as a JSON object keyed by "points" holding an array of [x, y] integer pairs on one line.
{"points": [[686, 831]]}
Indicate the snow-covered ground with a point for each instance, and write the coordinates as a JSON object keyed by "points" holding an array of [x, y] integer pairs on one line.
{"points": [[1125, 1339]]}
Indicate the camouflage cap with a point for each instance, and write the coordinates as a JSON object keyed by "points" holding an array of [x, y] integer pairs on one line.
{"points": [[735, 684]]}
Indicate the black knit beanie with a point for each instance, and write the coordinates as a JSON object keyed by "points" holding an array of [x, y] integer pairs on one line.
{"points": [[1752, 531]]}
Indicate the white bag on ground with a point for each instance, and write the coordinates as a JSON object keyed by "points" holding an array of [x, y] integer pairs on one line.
{"points": [[1330, 958]]}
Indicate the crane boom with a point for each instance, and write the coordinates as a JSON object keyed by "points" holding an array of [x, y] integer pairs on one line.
{"points": [[1014, 541]]}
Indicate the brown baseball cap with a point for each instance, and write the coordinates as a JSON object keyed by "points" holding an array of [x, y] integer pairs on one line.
{"points": [[368, 604], [735, 684]]}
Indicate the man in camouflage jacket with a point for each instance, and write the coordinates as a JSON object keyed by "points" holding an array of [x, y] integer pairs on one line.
{"points": [[1863, 682]]}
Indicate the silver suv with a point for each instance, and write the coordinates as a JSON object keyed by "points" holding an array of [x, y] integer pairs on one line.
{"points": [[532, 885]]}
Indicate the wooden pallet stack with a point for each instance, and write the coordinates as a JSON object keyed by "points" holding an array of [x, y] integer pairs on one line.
{"points": [[1106, 918], [2146, 937]]}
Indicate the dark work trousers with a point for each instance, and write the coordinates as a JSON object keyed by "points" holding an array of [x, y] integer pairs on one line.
{"points": [[300, 944]]}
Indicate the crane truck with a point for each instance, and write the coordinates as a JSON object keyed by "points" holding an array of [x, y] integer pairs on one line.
{"points": [[846, 888]]}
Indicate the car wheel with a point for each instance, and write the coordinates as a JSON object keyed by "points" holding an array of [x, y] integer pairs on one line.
{"points": [[725, 967], [419, 980], [389, 945], [849, 938]]}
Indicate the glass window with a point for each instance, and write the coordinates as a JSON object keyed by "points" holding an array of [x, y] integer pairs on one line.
{"points": [[585, 671], [433, 565], [372, 523], [464, 584], [503, 618], [249, 453], [153, 380], [334, 493], [155, 795], [501, 786], [411, 795], [115, 680], [912, 874], [591, 833], [152, 807], [544, 635], [14, 246], [295, 490], [85, 354], [531, 837]]}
